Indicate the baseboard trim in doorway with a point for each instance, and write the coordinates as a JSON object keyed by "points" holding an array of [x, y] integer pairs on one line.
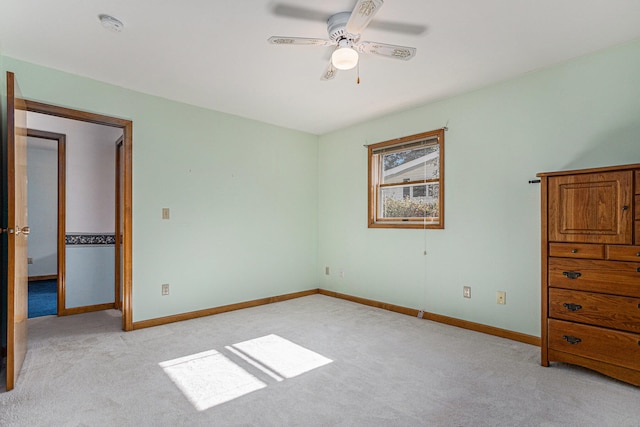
{"points": [[217, 310], [452, 321], [87, 309]]}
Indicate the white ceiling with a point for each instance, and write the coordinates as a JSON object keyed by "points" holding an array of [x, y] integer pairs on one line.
{"points": [[214, 53]]}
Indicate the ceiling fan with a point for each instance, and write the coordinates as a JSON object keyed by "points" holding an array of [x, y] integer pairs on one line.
{"points": [[345, 30]]}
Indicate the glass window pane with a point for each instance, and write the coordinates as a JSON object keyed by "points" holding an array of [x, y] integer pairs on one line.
{"points": [[411, 165], [419, 191], [422, 201]]}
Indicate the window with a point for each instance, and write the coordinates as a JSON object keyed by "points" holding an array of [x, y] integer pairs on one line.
{"points": [[406, 176]]}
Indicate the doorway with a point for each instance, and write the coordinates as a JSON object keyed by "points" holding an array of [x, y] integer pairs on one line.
{"points": [[46, 162], [123, 235]]}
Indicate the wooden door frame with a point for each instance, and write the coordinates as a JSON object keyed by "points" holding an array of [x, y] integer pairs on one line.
{"points": [[126, 175], [62, 211], [118, 225]]}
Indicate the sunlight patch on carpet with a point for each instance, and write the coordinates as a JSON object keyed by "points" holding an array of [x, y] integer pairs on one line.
{"points": [[282, 356], [254, 363], [208, 379]]}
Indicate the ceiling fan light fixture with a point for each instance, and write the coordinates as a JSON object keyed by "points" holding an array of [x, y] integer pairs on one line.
{"points": [[344, 58]]}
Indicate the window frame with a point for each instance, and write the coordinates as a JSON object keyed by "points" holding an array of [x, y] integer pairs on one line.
{"points": [[374, 183]]}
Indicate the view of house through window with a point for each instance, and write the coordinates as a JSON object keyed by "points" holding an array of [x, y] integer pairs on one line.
{"points": [[405, 178]]}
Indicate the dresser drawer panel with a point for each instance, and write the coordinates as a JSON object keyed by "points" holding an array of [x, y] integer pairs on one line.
{"points": [[609, 277], [623, 253], [576, 250], [597, 309], [637, 182], [637, 215], [606, 345]]}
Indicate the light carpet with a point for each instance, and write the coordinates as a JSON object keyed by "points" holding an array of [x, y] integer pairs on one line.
{"points": [[369, 367]]}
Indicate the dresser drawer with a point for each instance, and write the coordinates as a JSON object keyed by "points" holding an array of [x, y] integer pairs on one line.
{"points": [[637, 182], [605, 345], [609, 277], [596, 309], [623, 253], [637, 216], [576, 250]]}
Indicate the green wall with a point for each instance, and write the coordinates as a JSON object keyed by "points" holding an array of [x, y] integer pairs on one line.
{"points": [[242, 194], [258, 210], [580, 114]]}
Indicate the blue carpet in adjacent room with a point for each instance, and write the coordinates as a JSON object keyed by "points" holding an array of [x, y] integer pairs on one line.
{"points": [[43, 298]]}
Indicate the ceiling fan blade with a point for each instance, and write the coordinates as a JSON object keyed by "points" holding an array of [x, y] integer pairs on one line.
{"points": [[388, 50], [329, 73], [291, 11], [362, 14], [304, 41]]}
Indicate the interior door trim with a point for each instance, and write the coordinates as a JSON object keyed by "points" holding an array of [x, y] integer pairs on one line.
{"points": [[118, 226], [127, 187]]}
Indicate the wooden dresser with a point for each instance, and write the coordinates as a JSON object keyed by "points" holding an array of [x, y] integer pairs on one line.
{"points": [[591, 270]]}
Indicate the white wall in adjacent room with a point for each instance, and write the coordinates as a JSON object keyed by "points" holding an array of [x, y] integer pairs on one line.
{"points": [[90, 177], [42, 195]]}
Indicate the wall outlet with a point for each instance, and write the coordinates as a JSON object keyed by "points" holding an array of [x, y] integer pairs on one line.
{"points": [[165, 289], [166, 213], [29, 260], [466, 291], [327, 271], [420, 314], [341, 273], [501, 297]]}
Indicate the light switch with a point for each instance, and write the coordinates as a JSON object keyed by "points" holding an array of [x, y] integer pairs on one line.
{"points": [[165, 213]]}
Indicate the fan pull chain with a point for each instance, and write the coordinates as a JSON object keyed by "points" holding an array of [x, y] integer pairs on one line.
{"points": [[358, 71]]}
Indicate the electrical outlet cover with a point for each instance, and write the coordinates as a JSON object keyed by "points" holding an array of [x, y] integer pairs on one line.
{"points": [[466, 291], [501, 297]]}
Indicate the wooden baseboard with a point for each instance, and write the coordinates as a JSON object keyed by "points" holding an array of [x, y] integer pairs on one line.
{"points": [[372, 303], [86, 309], [465, 324], [452, 321], [217, 310], [41, 278]]}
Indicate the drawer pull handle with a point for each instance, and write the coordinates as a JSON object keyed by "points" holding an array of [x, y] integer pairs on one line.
{"points": [[638, 254], [574, 274], [574, 251], [625, 208], [638, 269], [571, 340], [572, 307]]}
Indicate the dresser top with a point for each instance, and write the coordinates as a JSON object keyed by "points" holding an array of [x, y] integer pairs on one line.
{"points": [[591, 170]]}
